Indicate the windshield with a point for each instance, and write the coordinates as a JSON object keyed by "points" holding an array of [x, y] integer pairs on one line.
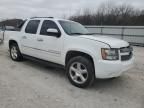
{"points": [[73, 28]]}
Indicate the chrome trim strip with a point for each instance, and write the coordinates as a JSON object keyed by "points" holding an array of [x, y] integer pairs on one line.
{"points": [[49, 51]]}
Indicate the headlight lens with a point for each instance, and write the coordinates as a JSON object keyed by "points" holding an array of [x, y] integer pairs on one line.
{"points": [[109, 54]]}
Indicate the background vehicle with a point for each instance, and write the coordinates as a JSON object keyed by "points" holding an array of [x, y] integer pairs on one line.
{"points": [[85, 56], [1, 34], [2, 31]]}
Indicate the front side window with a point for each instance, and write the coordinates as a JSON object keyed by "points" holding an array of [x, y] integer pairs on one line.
{"points": [[47, 24], [32, 26], [73, 28]]}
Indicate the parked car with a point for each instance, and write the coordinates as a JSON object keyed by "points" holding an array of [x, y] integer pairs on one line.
{"points": [[3, 29], [69, 44], [1, 34]]}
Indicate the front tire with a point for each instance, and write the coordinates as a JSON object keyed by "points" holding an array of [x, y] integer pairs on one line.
{"points": [[15, 53], [80, 72]]}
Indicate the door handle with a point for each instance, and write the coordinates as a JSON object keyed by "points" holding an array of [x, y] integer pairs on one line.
{"points": [[24, 37], [39, 39]]}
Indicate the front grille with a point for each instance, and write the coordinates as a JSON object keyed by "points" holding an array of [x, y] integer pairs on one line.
{"points": [[126, 57], [126, 53]]}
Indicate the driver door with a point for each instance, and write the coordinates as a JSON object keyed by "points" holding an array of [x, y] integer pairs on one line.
{"points": [[49, 44]]}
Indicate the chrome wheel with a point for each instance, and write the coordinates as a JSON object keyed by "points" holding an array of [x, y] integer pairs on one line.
{"points": [[78, 73], [14, 52]]}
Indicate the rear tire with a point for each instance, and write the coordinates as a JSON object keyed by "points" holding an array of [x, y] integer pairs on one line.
{"points": [[80, 72], [15, 53]]}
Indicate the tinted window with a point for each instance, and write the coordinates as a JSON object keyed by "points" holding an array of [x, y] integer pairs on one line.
{"points": [[47, 24], [21, 24], [32, 26]]}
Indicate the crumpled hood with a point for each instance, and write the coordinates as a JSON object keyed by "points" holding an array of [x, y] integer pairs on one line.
{"points": [[113, 42]]}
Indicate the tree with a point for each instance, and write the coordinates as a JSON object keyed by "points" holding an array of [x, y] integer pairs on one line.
{"points": [[111, 14]]}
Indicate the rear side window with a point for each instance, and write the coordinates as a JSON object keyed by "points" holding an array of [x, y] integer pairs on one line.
{"points": [[32, 26], [47, 24]]}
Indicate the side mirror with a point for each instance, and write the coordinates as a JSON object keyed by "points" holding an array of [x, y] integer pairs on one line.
{"points": [[52, 30]]}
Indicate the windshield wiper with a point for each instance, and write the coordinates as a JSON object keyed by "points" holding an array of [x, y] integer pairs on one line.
{"points": [[89, 34], [77, 34], [82, 33]]}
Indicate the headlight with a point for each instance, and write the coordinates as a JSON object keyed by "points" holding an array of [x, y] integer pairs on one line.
{"points": [[109, 54]]}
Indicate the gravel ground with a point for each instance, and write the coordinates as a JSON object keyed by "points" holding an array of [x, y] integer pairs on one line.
{"points": [[31, 85]]}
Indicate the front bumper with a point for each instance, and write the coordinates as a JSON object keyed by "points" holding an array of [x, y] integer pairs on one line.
{"points": [[110, 69]]}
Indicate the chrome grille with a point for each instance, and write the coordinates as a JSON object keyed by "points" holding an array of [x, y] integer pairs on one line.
{"points": [[126, 53], [126, 49]]}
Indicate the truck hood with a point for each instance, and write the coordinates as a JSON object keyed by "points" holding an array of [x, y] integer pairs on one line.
{"points": [[112, 42]]}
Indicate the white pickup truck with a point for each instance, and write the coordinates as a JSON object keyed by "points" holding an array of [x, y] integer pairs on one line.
{"points": [[85, 56]]}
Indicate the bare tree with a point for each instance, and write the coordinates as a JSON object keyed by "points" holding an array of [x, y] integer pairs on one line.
{"points": [[111, 14]]}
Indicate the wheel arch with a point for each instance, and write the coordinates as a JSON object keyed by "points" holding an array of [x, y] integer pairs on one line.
{"points": [[72, 53], [11, 42]]}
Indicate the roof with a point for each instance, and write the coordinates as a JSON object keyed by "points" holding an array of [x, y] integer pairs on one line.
{"points": [[50, 18]]}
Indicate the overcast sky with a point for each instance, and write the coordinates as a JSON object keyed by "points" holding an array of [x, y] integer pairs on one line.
{"points": [[56, 8]]}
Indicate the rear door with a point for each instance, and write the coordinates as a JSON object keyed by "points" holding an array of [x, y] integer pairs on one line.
{"points": [[29, 37]]}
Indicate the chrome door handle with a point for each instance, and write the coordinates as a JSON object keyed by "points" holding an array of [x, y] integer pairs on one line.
{"points": [[24, 37], [39, 39]]}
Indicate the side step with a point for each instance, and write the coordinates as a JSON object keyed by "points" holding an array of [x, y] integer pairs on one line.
{"points": [[44, 62]]}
